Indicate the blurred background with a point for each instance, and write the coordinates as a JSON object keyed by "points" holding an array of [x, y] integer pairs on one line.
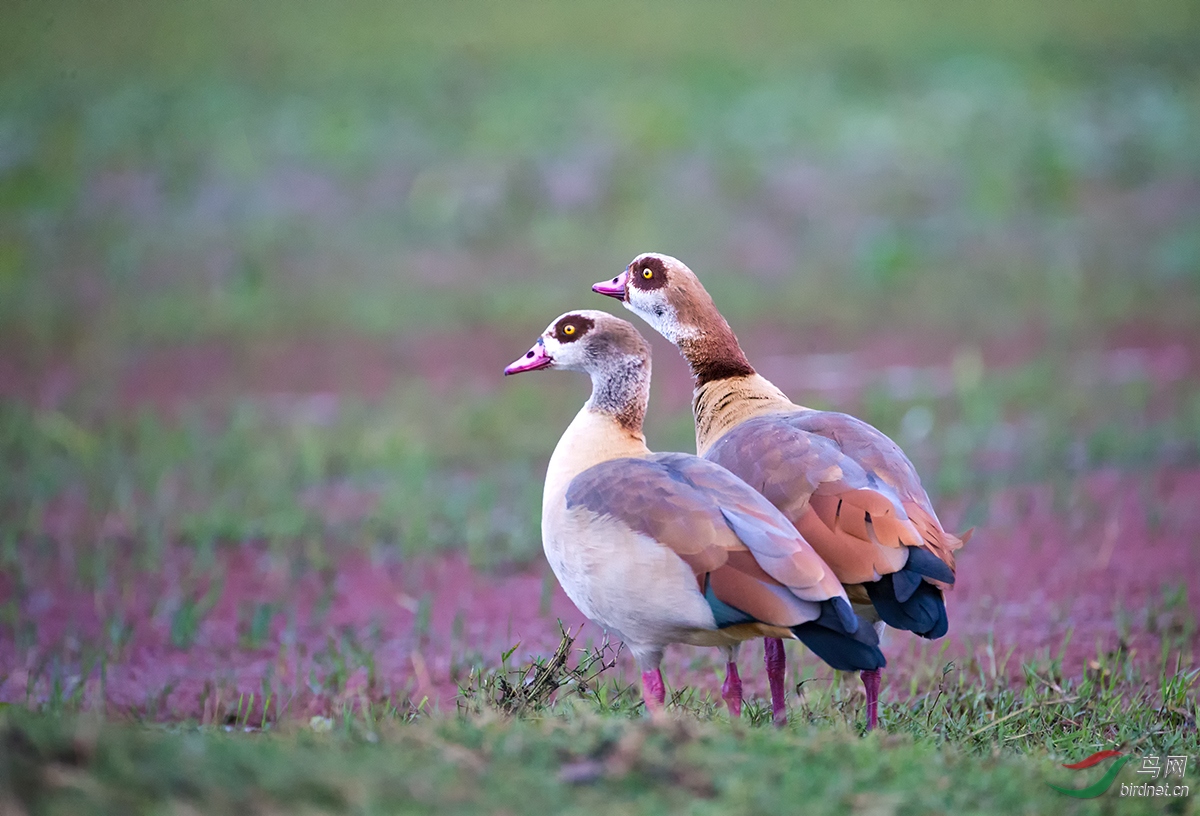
{"points": [[261, 265]]}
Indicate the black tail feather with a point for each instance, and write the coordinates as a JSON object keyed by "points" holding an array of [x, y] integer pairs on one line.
{"points": [[904, 584], [923, 611], [830, 639], [849, 620], [927, 564]]}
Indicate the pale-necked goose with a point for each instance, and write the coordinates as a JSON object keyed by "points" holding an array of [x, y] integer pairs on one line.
{"points": [[668, 547], [849, 489]]}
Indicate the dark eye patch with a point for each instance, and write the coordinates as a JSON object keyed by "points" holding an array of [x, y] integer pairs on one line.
{"points": [[658, 274], [579, 327]]}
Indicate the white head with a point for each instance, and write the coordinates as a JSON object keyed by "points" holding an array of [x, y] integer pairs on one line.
{"points": [[667, 295], [659, 289], [609, 349], [584, 340]]}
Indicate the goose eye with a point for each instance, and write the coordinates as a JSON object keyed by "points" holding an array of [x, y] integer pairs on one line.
{"points": [[568, 329], [647, 274]]}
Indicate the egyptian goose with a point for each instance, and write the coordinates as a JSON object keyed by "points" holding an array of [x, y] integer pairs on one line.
{"points": [[667, 547], [850, 490]]}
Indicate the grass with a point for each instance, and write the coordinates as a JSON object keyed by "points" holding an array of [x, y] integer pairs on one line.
{"points": [[593, 764], [203, 186], [563, 736], [422, 477], [246, 175]]}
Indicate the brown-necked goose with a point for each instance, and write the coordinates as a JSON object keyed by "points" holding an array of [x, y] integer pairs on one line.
{"points": [[668, 547], [848, 488]]}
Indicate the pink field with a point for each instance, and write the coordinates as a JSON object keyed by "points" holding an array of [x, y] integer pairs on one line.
{"points": [[1101, 565], [1027, 580]]}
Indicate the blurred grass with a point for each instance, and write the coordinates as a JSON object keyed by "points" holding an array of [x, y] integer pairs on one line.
{"points": [[485, 767], [969, 744], [425, 472], [244, 171], [232, 169], [309, 41]]}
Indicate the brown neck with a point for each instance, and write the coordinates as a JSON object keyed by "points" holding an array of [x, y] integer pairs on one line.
{"points": [[622, 390], [713, 352]]}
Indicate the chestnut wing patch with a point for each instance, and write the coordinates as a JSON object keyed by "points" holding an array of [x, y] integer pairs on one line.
{"points": [[857, 522], [883, 460]]}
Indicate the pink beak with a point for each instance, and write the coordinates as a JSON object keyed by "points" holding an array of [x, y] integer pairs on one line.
{"points": [[614, 288], [534, 359]]}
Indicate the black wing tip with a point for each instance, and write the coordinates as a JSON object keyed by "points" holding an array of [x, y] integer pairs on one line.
{"points": [[846, 616], [923, 562], [940, 628], [905, 583], [845, 646], [923, 613], [841, 651]]}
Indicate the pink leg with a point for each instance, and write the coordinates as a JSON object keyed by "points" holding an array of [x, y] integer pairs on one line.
{"points": [[871, 680], [653, 691], [731, 690], [776, 661]]}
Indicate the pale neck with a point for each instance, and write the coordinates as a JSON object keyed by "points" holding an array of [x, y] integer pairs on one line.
{"points": [[719, 406], [591, 438]]}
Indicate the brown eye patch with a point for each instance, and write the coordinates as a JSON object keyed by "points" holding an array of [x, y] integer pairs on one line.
{"points": [[648, 273], [572, 327]]}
